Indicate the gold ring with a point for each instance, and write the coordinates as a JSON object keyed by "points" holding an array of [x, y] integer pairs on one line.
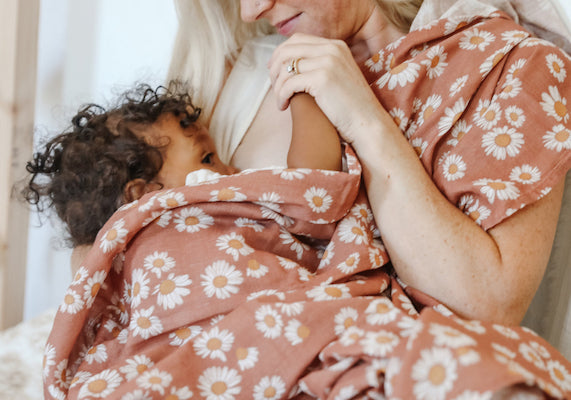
{"points": [[292, 68]]}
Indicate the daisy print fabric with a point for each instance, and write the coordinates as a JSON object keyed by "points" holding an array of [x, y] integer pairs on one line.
{"points": [[273, 284], [493, 140]]}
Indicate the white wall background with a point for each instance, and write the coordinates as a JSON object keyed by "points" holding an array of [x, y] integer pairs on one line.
{"points": [[89, 50]]}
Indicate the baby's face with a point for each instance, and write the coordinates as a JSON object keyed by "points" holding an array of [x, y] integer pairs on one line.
{"points": [[184, 150]]}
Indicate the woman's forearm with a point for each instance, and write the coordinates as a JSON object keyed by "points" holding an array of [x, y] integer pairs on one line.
{"points": [[439, 250]]}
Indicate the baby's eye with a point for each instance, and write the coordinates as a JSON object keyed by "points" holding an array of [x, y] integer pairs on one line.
{"points": [[208, 159]]}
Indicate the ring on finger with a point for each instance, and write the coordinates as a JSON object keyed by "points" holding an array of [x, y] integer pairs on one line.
{"points": [[293, 67]]}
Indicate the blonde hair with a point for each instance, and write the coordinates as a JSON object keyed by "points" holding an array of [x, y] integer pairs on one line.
{"points": [[400, 13], [209, 37]]}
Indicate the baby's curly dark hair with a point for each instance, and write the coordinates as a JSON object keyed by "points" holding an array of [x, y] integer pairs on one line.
{"points": [[83, 171]]}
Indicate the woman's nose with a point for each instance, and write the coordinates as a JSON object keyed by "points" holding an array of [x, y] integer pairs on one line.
{"points": [[252, 10]]}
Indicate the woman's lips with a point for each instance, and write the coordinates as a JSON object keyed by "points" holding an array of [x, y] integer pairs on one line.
{"points": [[286, 27]]}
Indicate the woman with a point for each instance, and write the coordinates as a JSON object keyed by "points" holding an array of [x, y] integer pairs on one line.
{"points": [[335, 336]]}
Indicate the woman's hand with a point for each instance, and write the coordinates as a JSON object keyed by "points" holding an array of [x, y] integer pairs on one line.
{"points": [[328, 72]]}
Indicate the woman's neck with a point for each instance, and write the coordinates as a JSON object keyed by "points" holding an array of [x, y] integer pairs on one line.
{"points": [[374, 35]]}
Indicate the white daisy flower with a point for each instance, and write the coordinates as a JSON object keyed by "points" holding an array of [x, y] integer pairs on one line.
{"points": [[502, 142], [49, 358], [346, 393], [228, 194], [434, 374], [487, 114], [184, 393], [351, 336], [171, 199], [455, 23], [269, 322], [291, 309], [525, 174], [435, 62], [514, 37], [72, 302], [376, 254], [294, 244], [428, 108], [453, 167], [510, 88], [145, 324], [221, 279], [376, 62], [214, 344], [327, 255], [155, 380], [458, 85], [504, 351], [558, 139], [541, 350], [531, 356], [350, 264], [234, 245], [554, 105], [515, 69], [80, 275], [362, 211], [351, 231], [123, 336], [255, 269], [296, 332], [101, 385], [448, 336], [269, 388], [158, 263], [379, 343], [400, 75], [505, 331], [515, 116], [344, 319], [291, 174], [249, 223], [113, 236], [286, 263], [63, 377], [559, 374], [219, 383], [192, 220], [556, 67], [171, 291], [139, 288], [56, 393], [399, 117], [304, 274], [419, 145], [266, 293], [135, 366], [183, 335], [94, 354], [327, 291], [493, 60], [460, 129], [477, 212], [476, 39], [381, 311], [407, 305], [80, 377], [451, 116], [496, 188], [149, 203], [318, 199], [544, 192], [247, 357], [92, 286]]}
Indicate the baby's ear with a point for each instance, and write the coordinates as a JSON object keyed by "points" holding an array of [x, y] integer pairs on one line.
{"points": [[137, 188]]}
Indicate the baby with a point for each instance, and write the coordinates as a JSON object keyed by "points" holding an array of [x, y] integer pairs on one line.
{"points": [[150, 141]]}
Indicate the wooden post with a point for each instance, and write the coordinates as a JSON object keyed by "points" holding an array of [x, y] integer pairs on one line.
{"points": [[18, 56]]}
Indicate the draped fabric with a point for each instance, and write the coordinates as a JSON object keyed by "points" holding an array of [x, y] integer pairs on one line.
{"points": [[272, 284]]}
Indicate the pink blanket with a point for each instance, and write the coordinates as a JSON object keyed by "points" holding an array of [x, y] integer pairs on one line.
{"points": [[274, 284]]}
